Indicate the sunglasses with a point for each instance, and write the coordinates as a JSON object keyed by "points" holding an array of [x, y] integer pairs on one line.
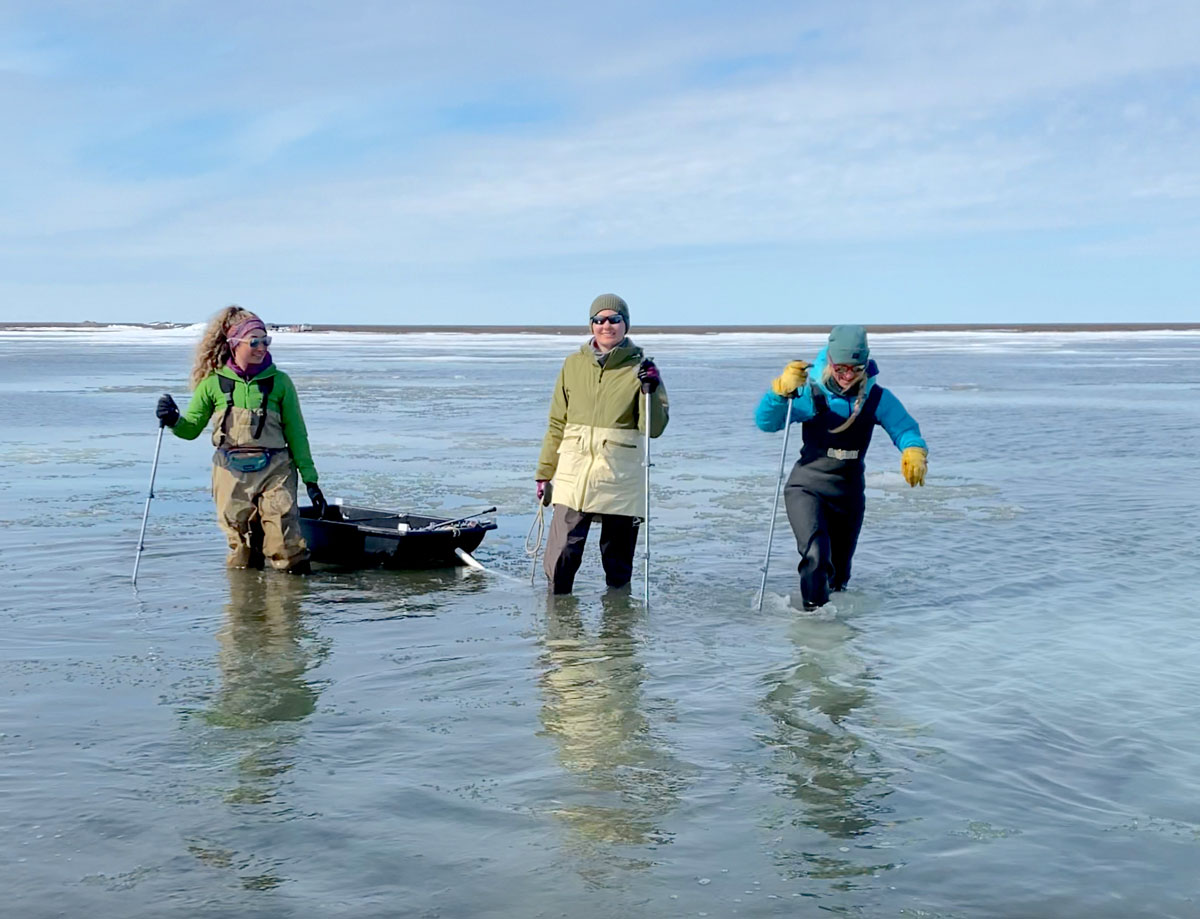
{"points": [[847, 368], [614, 319], [265, 341]]}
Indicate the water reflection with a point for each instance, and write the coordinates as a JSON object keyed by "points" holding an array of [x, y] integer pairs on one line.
{"points": [[264, 655], [822, 760], [375, 595], [594, 709]]}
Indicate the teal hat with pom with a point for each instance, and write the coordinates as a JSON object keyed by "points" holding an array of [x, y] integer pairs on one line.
{"points": [[848, 345]]}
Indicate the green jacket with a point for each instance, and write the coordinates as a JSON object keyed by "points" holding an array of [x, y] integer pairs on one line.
{"points": [[284, 425], [591, 449]]}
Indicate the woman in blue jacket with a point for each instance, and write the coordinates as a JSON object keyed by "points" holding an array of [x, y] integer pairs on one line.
{"points": [[838, 402]]}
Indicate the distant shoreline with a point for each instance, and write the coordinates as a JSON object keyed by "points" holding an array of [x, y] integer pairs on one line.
{"points": [[658, 329]]}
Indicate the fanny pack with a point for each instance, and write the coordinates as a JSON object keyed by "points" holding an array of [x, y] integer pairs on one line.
{"points": [[244, 459]]}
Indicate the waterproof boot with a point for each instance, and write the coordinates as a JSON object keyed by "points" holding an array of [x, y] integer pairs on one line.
{"points": [[796, 601], [243, 557], [255, 539]]}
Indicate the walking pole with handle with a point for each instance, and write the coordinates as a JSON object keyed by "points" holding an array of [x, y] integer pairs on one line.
{"points": [[787, 424], [646, 560], [150, 494]]}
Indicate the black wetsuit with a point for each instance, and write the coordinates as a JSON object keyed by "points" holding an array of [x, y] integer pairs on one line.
{"points": [[825, 497]]}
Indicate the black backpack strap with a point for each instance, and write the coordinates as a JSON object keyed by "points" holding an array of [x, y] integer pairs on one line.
{"points": [[820, 406], [872, 403], [265, 385], [226, 385]]}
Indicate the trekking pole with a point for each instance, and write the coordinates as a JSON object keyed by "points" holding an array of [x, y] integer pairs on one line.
{"points": [[787, 424], [146, 513], [648, 464]]}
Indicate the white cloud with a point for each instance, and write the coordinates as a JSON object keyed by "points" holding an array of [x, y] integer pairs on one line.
{"points": [[892, 121]]}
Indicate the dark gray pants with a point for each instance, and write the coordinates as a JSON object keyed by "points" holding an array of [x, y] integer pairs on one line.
{"points": [[826, 528], [568, 535]]}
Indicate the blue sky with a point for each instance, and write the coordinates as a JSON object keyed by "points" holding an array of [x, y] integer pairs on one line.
{"points": [[492, 163]]}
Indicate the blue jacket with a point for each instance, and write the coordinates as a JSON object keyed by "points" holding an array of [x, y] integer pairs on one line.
{"points": [[891, 415]]}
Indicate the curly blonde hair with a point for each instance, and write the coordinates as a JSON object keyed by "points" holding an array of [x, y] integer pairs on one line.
{"points": [[213, 350]]}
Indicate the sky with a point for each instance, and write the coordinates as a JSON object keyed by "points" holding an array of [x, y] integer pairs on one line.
{"points": [[502, 163]]}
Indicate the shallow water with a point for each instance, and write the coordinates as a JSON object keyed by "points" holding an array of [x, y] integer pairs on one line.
{"points": [[997, 719]]}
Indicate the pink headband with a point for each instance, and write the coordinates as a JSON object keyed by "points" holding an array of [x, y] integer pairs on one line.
{"points": [[243, 328]]}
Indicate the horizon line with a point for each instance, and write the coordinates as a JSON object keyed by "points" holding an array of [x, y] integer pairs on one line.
{"points": [[659, 329]]}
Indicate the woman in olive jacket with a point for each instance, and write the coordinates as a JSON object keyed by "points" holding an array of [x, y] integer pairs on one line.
{"points": [[592, 453]]}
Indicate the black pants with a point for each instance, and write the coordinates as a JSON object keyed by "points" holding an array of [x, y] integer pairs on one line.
{"points": [[826, 521], [568, 536]]}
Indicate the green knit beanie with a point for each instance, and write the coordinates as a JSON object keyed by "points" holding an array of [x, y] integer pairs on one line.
{"points": [[610, 302], [848, 345]]}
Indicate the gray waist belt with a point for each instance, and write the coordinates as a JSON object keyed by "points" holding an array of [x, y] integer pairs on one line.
{"points": [[834, 453]]}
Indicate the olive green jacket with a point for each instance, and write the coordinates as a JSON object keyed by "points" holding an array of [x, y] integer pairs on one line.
{"points": [[284, 425], [592, 450]]}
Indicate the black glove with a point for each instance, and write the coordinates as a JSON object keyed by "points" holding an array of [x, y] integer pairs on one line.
{"points": [[317, 499], [167, 411], [649, 375]]}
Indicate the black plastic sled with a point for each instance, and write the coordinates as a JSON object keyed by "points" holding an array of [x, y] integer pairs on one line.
{"points": [[366, 537]]}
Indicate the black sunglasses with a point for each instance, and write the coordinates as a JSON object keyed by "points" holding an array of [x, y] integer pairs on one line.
{"points": [[614, 319]]}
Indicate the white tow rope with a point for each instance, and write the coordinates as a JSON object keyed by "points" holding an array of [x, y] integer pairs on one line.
{"points": [[537, 534], [469, 560]]}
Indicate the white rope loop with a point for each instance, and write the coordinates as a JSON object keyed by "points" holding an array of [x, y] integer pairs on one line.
{"points": [[533, 544]]}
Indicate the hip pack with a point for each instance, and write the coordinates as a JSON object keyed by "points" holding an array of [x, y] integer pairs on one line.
{"points": [[244, 459]]}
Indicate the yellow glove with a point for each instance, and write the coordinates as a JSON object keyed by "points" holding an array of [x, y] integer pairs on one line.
{"points": [[913, 465], [793, 377]]}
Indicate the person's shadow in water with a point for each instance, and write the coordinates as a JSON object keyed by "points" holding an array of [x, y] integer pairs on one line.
{"points": [[821, 761], [264, 655], [593, 708]]}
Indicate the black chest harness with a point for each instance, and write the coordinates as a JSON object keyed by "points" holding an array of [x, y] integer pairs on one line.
{"points": [[244, 458], [265, 385]]}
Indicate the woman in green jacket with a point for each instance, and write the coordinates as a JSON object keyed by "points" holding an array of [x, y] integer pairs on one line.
{"points": [[260, 438], [592, 454]]}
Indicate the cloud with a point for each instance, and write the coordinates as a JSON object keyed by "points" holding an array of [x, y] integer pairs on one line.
{"points": [[371, 134]]}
